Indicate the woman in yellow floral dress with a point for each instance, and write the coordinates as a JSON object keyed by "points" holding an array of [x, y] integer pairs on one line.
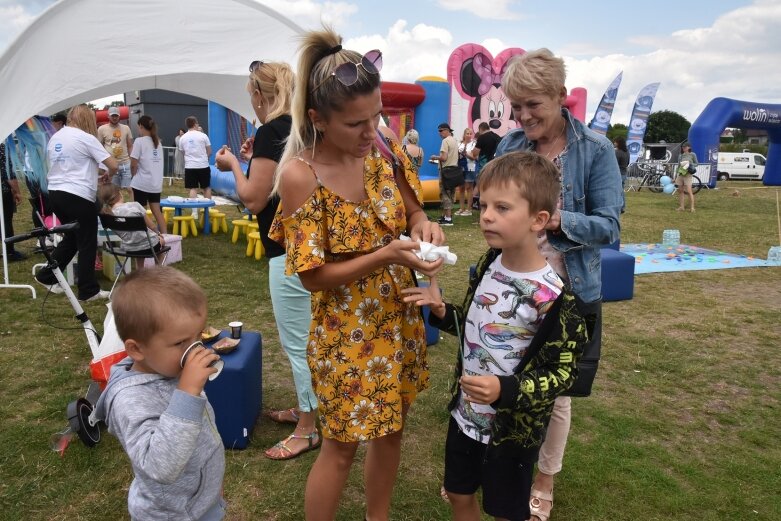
{"points": [[344, 205]]}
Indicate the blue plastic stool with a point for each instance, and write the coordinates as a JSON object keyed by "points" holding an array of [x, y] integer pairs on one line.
{"points": [[236, 395], [618, 275]]}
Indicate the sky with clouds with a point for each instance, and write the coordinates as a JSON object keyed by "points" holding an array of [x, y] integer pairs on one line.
{"points": [[697, 49]]}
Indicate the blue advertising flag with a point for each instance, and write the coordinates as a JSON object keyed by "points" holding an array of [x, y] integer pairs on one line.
{"points": [[639, 120], [604, 112]]}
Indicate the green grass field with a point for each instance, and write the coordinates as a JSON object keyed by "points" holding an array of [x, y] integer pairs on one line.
{"points": [[684, 421]]}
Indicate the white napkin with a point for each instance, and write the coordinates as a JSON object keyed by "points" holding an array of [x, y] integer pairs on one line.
{"points": [[175, 198], [429, 252]]}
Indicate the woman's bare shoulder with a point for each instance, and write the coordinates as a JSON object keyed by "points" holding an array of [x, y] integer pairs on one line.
{"points": [[296, 183]]}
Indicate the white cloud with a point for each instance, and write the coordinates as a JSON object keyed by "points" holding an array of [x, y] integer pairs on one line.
{"points": [[422, 50], [487, 9], [737, 57], [13, 20], [310, 14]]}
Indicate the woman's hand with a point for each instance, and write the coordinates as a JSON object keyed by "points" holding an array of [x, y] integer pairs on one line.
{"points": [[224, 159], [246, 149], [426, 296], [427, 231], [483, 389], [401, 252], [554, 223]]}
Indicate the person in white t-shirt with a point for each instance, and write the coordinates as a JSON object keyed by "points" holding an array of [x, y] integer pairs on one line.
{"points": [[196, 148], [146, 165], [74, 154]]}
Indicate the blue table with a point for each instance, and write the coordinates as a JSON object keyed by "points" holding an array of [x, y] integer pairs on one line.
{"points": [[178, 206]]}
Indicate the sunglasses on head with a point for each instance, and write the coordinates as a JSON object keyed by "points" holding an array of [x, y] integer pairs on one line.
{"points": [[347, 73], [255, 65]]}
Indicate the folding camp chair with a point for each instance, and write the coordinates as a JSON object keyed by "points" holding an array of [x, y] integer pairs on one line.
{"points": [[113, 223]]}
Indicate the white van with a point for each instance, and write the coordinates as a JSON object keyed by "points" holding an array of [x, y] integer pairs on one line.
{"points": [[740, 165]]}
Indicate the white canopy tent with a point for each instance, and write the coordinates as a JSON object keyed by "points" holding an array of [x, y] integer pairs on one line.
{"points": [[79, 50]]}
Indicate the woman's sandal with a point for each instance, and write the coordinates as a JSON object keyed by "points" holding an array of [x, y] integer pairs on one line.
{"points": [[443, 494], [538, 509], [284, 416], [287, 452]]}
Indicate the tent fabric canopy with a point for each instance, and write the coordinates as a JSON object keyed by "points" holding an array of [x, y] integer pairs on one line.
{"points": [[79, 50]]}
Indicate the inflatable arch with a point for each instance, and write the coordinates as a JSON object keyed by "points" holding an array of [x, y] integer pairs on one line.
{"points": [[724, 112]]}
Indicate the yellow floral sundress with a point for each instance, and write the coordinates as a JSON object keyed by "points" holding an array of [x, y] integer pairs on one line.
{"points": [[367, 348]]}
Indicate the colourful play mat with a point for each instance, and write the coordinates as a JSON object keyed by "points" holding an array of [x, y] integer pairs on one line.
{"points": [[658, 258]]}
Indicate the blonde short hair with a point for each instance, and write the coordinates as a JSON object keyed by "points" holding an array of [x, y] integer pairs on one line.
{"points": [[274, 80], [538, 71], [413, 136]]}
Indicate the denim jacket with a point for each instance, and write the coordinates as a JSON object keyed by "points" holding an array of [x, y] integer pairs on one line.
{"points": [[591, 202]]}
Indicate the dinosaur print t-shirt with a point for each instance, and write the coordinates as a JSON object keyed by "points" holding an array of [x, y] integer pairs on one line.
{"points": [[504, 315]]}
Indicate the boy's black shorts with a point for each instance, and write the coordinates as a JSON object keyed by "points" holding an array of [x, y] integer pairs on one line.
{"points": [[506, 482], [197, 177]]}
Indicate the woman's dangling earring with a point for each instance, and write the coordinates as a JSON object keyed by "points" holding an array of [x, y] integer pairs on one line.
{"points": [[314, 140]]}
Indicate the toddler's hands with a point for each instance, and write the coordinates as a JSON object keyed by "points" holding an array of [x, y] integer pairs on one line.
{"points": [[224, 159], [483, 389], [426, 296], [196, 369]]}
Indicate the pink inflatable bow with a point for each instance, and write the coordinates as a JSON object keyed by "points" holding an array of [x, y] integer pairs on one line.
{"points": [[484, 70]]}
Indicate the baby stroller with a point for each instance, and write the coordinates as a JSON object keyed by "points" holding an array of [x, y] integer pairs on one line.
{"points": [[106, 350]]}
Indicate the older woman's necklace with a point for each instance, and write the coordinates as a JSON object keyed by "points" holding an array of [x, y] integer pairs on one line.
{"points": [[555, 143]]}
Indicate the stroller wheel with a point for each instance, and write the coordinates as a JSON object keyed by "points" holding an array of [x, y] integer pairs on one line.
{"points": [[78, 419]]}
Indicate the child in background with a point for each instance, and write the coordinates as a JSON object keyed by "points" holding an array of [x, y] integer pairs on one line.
{"points": [[112, 203], [522, 336], [157, 408]]}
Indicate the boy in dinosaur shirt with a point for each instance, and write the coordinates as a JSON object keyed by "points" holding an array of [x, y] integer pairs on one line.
{"points": [[522, 336]]}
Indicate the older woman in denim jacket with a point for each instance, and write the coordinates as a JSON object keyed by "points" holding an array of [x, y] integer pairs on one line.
{"points": [[591, 199]]}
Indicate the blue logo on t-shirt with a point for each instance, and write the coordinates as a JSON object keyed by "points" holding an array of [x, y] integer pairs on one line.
{"points": [[154, 153], [58, 147]]}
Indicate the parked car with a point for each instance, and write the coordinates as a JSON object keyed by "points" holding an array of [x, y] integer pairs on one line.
{"points": [[740, 165]]}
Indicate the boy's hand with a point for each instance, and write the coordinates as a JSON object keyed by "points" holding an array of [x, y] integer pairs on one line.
{"points": [[196, 370], [426, 296], [484, 389]]}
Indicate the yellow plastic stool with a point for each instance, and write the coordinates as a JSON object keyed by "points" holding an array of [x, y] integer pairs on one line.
{"points": [[250, 217], [252, 227], [254, 245], [218, 221], [149, 213], [167, 214], [187, 223], [239, 225]]}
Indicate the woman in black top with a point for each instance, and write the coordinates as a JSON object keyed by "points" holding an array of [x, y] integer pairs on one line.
{"points": [[270, 88]]}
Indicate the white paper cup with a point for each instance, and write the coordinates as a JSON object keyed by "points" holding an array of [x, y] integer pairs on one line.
{"points": [[217, 364]]}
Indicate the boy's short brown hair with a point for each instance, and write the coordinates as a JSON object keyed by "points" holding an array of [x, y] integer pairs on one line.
{"points": [[536, 177], [144, 300]]}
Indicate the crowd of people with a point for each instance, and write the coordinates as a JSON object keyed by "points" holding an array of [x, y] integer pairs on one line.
{"points": [[333, 194]]}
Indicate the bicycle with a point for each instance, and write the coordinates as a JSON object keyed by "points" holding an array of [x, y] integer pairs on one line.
{"points": [[106, 350]]}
